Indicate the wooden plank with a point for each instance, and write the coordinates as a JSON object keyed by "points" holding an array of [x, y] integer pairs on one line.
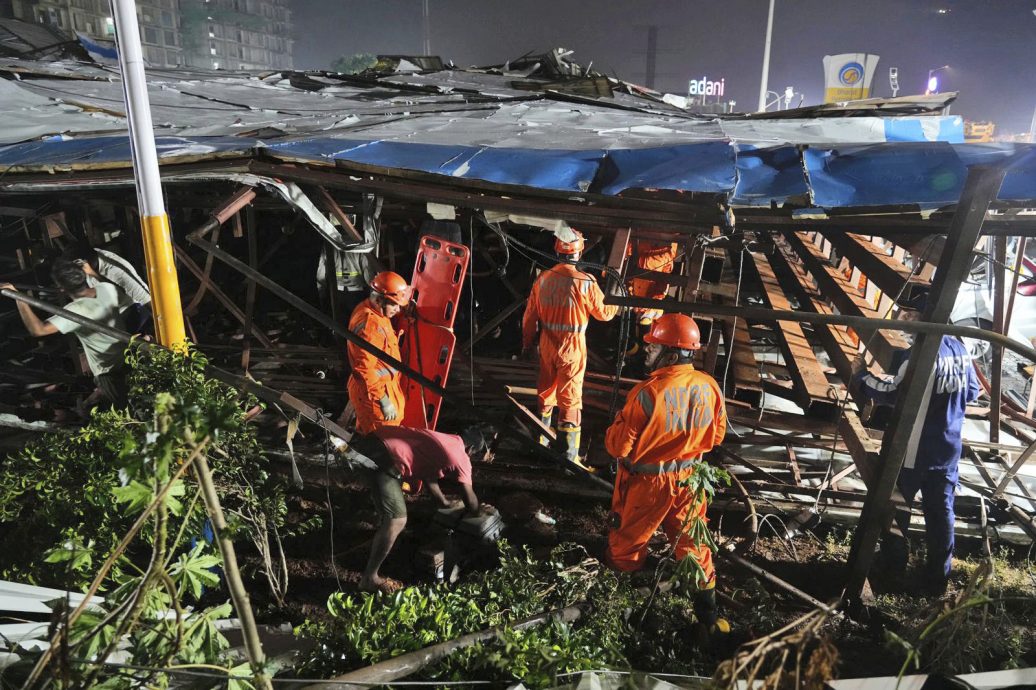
{"points": [[887, 272], [620, 245], [846, 298], [837, 343], [864, 450], [810, 383]]}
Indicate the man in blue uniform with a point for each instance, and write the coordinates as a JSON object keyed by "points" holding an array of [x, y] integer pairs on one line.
{"points": [[932, 458]]}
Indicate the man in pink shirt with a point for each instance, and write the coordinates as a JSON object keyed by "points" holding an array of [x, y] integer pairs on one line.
{"points": [[416, 457]]}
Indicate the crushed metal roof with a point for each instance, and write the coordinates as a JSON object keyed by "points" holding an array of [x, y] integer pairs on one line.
{"points": [[527, 123]]}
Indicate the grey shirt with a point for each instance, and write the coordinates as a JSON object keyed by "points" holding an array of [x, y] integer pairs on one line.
{"points": [[103, 353]]}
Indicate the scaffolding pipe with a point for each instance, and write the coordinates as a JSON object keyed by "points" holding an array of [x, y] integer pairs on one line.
{"points": [[859, 323]]}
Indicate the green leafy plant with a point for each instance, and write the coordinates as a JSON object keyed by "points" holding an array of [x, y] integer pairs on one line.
{"points": [[84, 488], [367, 628], [121, 491]]}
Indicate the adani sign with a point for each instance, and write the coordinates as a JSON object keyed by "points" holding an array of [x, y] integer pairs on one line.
{"points": [[704, 87]]}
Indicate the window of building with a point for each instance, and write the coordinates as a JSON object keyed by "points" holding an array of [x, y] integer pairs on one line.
{"points": [[167, 19], [215, 65], [170, 38], [150, 35], [109, 26]]}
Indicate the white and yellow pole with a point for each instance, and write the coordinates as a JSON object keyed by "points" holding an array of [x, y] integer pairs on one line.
{"points": [[154, 222]]}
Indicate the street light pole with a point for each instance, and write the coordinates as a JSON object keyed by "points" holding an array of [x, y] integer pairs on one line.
{"points": [[154, 223], [764, 84], [427, 28]]}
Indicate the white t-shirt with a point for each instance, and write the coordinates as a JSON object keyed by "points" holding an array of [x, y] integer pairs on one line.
{"points": [[117, 270], [103, 353]]}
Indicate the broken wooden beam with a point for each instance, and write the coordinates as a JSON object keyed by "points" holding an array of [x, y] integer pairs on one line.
{"points": [[846, 298], [812, 390], [889, 274]]}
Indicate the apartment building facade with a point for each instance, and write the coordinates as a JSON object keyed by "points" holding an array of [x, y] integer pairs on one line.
{"points": [[210, 34]]}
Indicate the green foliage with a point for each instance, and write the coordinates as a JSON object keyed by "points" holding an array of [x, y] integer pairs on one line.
{"points": [[369, 628], [989, 624], [354, 64], [66, 500]]}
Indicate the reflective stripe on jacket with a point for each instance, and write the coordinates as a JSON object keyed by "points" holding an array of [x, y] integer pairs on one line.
{"points": [[676, 414], [377, 330], [561, 303]]}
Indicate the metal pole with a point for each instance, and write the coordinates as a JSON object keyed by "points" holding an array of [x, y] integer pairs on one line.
{"points": [[154, 223], [427, 28], [860, 323], [764, 84], [980, 190], [999, 318]]}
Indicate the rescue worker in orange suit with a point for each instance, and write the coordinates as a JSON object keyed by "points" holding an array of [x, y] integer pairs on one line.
{"points": [[651, 256], [375, 388], [667, 423], [562, 301]]}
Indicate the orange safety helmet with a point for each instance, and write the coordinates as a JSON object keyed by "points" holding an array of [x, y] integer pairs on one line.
{"points": [[392, 286], [573, 247], [675, 330]]}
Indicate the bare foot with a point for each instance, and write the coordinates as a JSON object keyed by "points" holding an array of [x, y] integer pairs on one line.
{"points": [[385, 585]]}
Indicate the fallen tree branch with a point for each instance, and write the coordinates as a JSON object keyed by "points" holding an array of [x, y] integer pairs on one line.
{"points": [[407, 664]]}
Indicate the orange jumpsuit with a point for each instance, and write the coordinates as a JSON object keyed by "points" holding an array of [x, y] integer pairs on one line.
{"points": [[371, 379], [651, 256], [562, 301], [667, 423]]}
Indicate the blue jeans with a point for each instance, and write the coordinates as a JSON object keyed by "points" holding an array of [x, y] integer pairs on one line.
{"points": [[936, 487]]}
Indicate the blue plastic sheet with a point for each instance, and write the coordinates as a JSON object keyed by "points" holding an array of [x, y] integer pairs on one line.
{"points": [[61, 152], [923, 174], [770, 175], [701, 167]]}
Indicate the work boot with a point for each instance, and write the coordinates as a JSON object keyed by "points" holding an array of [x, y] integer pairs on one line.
{"points": [[712, 629], [568, 438], [545, 416]]}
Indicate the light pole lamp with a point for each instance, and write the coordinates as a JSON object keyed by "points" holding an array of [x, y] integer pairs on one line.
{"points": [[933, 81]]}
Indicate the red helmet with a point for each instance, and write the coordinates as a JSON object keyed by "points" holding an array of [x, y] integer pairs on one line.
{"points": [[573, 247], [392, 286], [675, 330]]}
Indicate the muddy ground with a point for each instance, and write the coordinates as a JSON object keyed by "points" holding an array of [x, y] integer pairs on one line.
{"points": [[331, 557]]}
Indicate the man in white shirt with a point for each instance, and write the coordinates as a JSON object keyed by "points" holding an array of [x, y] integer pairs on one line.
{"points": [[103, 302]]}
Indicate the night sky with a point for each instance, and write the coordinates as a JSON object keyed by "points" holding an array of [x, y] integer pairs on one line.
{"points": [[989, 44]]}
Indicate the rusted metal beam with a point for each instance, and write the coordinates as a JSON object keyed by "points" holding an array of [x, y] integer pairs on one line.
{"points": [[218, 293], [203, 283], [834, 286], [999, 319], [980, 189], [810, 383], [335, 210], [246, 349], [888, 273]]}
